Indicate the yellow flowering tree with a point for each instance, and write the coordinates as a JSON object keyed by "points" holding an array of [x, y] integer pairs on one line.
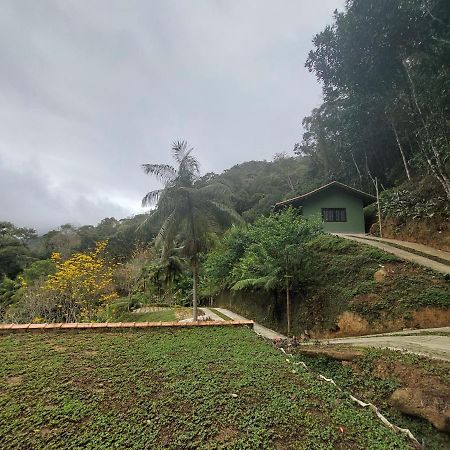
{"points": [[81, 283]]}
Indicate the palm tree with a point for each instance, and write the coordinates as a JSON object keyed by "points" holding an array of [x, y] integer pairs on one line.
{"points": [[188, 212]]}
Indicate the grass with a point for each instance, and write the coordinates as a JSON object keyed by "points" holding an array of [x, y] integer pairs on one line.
{"points": [[162, 315], [374, 378], [173, 389], [167, 315]]}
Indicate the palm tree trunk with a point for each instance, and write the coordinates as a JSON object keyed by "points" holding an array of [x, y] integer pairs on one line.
{"points": [[194, 289]]}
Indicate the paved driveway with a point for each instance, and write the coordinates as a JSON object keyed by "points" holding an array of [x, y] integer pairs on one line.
{"points": [[259, 329], [434, 346], [444, 268]]}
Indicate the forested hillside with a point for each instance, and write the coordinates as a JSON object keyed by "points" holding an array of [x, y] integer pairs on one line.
{"points": [[384, 66]]}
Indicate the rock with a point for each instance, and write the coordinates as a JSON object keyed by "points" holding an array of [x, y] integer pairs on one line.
{"points": [[428, 405], [380, 275]]}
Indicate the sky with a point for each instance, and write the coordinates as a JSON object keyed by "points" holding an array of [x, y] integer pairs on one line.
{"points": [[92, 89]]}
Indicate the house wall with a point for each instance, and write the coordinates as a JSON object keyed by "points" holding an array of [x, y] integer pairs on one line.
{"points": [[337, 198]]}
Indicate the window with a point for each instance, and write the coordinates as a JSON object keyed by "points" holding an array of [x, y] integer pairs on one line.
{"points": [[334, 214]]}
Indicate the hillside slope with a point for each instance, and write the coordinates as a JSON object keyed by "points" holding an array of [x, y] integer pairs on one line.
{"points": [[351, 289]]}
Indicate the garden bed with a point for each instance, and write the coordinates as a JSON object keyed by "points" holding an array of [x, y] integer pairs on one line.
{"points": [[205, 387]]}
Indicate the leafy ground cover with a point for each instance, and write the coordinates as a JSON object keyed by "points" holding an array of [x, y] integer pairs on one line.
{"points": [[188, 388], [166, 315], [378, 373]]}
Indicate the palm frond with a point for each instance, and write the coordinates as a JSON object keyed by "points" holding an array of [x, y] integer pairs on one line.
{"points": [[189, 164], [228, 212], [271, 282], [164, 231], [179, 150], [215, 191], [164, 172], [251, 283], [147, 222], [159, 214], [151, 197]]}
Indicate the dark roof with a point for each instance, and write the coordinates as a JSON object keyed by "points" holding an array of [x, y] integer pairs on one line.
{"points": [[367, 198]]}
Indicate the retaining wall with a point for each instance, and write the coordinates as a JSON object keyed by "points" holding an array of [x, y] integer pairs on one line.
{"points": [[41, 327]]}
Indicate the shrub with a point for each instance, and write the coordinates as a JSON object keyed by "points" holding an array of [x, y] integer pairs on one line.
{"points": [[78, 286]]}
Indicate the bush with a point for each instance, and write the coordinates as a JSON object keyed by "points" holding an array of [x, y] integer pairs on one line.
{"points": [[260, 255], [39, 305], [8, 289], [415, 201]]}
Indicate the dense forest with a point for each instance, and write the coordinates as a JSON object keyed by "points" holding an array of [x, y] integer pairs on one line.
{"points": [[384, 66]]}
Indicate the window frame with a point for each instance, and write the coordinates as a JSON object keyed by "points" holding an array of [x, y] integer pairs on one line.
{"points": [[339, 215]]}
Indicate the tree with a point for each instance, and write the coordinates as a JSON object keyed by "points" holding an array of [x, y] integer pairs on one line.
{"points": [[274, 259], [188, 212], [384, 66], [65, 240], [14, 252], [269, 254], [81, 284], [8, 289]]}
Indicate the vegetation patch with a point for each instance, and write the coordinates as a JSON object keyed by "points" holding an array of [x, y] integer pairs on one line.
{"points": [[376, 374], [196, 388], [337, 292], [167, 315]]}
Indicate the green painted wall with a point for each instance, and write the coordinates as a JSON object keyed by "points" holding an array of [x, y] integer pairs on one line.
{"points": [[337, 198]]}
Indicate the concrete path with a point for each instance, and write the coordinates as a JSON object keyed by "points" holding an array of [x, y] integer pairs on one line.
{"points": [[212, 315], [259, 329], [433, 346], [425, 249], [408, 332], [402, 254]]}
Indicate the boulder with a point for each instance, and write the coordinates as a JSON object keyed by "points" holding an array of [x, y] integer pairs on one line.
{"points": [[432, 406], [380, 275]]}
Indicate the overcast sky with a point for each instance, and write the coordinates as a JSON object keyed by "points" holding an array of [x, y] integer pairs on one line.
{"points": [[91, 89]]}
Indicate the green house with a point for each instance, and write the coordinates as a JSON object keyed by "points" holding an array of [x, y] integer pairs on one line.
{"points": [[339, 205]]}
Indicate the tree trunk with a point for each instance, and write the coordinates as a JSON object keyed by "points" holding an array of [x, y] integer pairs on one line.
{"points": [[434, 160], [357, 168], [194, 289], [378, 207], [405, 164]]}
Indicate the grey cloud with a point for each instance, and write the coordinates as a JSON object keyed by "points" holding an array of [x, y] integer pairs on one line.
{"points": [[27, 198]]}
